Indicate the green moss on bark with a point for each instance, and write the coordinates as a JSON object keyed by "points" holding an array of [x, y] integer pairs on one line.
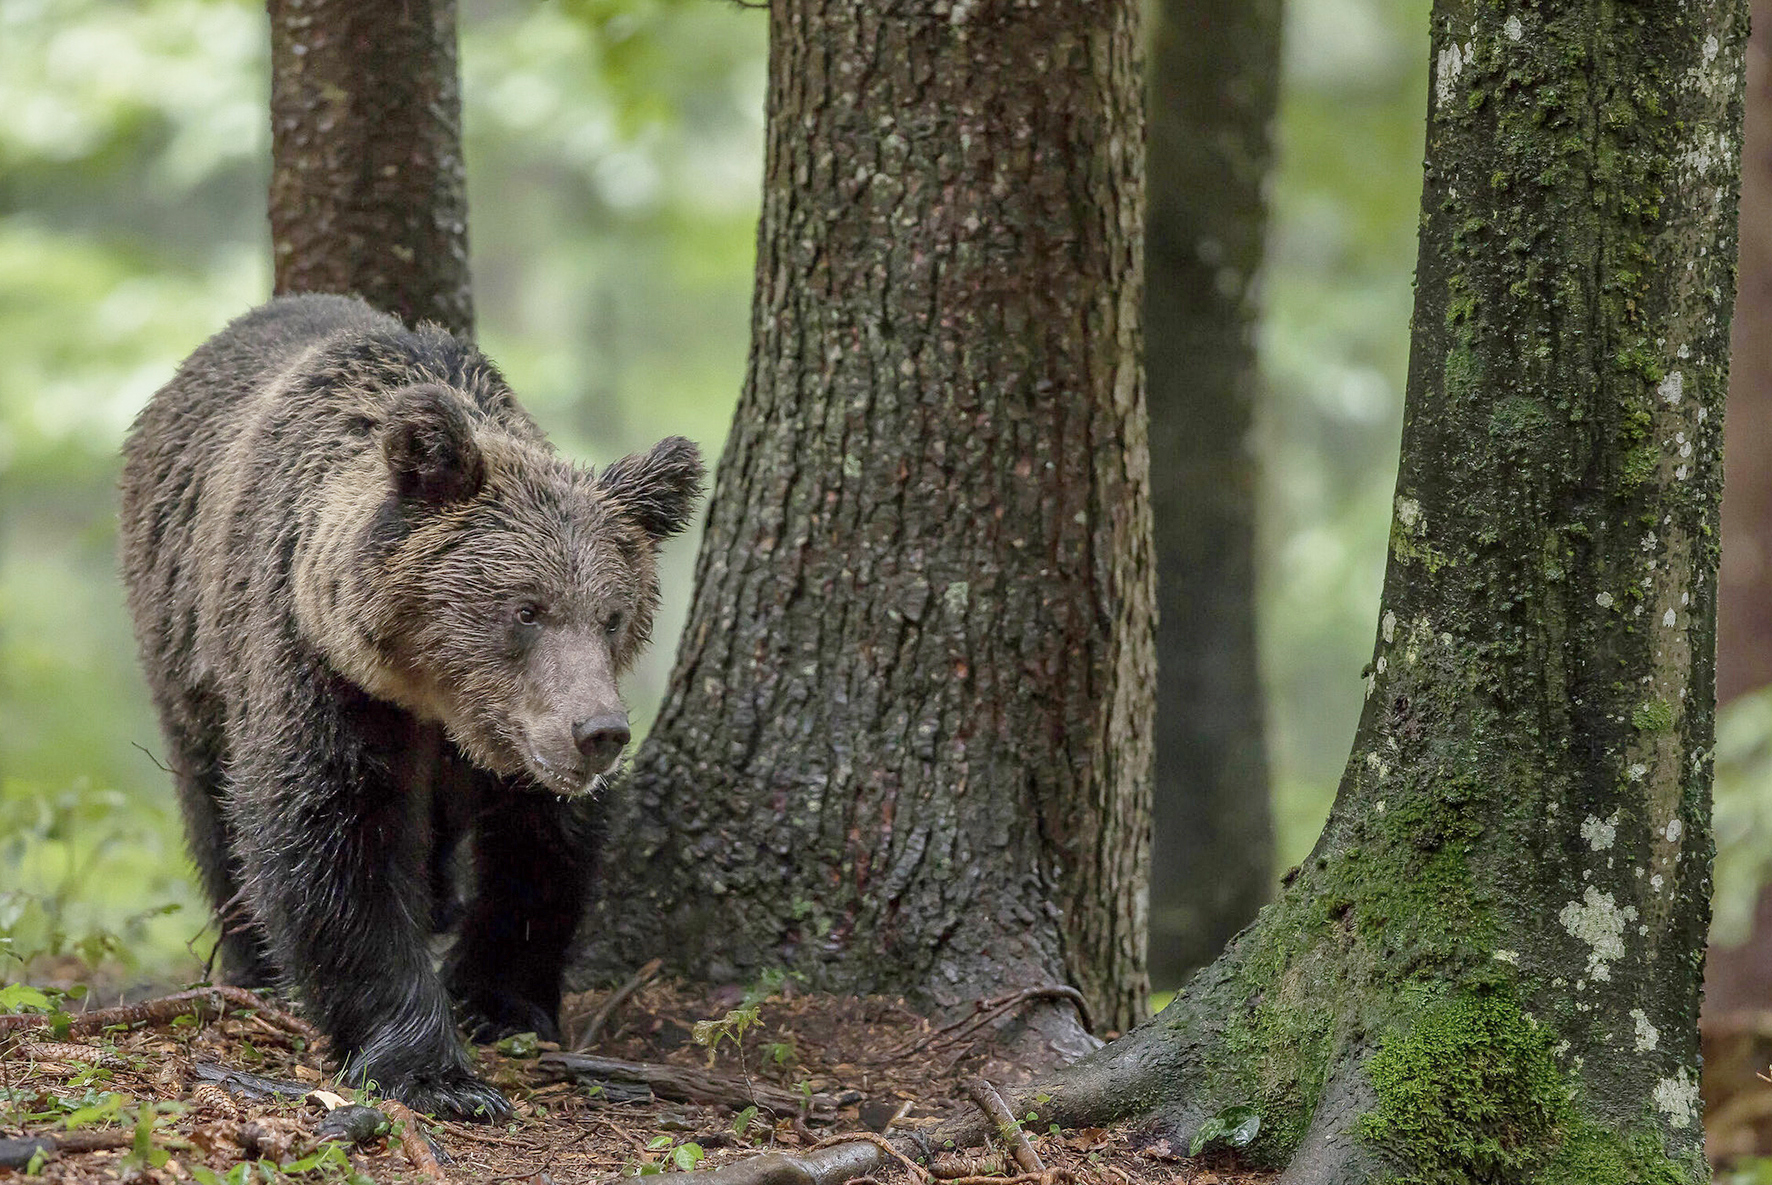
{"points": [[1468, 1092]]}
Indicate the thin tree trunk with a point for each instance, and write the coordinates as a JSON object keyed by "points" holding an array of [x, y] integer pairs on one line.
{"points": [[907, 742], [1488, 969], [1740, 977], [1215, 68], [367, 191], [1744, 604]]}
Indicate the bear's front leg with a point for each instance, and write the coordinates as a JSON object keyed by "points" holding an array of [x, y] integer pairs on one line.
{"points": [[332, 847], [534, 857]]}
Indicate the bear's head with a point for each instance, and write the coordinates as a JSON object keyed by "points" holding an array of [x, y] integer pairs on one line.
{"points": [[509, 589]]}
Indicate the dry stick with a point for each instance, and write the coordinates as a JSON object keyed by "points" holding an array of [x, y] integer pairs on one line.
{"points": [[208, 1003], [67, 1052], [991, 1103], [599, 1018], [682, 1084], [952, 1168], [917, 1171], [412, 1141], [18, 1153]]}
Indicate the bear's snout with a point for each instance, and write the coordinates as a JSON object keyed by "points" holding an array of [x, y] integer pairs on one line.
{"points": [[601, 739]]}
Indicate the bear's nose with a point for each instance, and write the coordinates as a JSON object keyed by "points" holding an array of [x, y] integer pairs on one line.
{"points": [[601, 738]]}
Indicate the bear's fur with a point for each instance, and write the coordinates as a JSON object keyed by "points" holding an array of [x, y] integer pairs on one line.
{"points": [[376, 612]]}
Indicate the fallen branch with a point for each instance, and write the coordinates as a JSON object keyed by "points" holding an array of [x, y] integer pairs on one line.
{"points": [[254, 1088], [685, 1085], [991, 1103], [413, 1141], [67, 1053], [18, 1153], [616, 999], [206, 1003]]}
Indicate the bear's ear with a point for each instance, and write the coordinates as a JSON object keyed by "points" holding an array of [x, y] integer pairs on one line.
{"points": [[430, 448], [659, 488]]}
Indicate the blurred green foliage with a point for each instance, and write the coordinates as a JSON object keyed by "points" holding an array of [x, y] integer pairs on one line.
{"points": [[614, 163], [613, 151]]}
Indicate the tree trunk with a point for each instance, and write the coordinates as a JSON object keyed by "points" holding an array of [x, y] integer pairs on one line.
{"points": [[907, 742], [1215, 67], [1740, 977], [1744, 603], [367, 192], [1488, 969]]}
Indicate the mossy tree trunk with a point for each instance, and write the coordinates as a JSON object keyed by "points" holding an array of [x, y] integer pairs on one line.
{"points": [[907, 742], [367, 190], [1488, 969], [1214, 80]]}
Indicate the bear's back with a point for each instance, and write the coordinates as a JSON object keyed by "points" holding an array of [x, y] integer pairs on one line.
{"points": [[225, 462]]}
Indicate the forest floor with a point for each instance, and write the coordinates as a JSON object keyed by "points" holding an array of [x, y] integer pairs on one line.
{"points": [[171, 1093]]}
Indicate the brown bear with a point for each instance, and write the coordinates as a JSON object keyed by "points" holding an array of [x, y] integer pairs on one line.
{"points": [[377, 611]]}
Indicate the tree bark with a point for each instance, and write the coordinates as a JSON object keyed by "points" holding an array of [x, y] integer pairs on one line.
{"points": [[1488, 969], [1215, 68], [907, 741], [367, 189], [1744, 603], [1740, 977]]}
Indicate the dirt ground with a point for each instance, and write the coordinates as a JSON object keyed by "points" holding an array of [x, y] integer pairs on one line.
{"points": [[168, 1095]]}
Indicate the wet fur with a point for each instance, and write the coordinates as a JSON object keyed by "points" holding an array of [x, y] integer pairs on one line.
{"points": [[325, 515]]}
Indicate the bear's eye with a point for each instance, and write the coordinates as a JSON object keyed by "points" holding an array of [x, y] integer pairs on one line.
{"points": [[528, 614], [614, 623]]}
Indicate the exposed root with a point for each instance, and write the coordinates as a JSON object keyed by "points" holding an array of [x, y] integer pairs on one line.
{"points": [[984, 1012]]}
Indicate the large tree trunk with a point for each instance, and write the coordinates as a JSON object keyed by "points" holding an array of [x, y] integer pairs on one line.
{"points": [[367, 192], [907, 742], [1488, 969], [1215, 67]]}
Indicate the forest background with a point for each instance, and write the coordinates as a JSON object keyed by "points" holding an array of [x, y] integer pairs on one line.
{"points": [[613, 154]]}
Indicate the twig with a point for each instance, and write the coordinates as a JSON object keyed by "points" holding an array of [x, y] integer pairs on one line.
{"points": [[18, 1153], [66, 1052], [254, 1088], [952, 1168], [617, 998], [917, 1171], [208, 1003], [413, 1142], [991, 1103]]}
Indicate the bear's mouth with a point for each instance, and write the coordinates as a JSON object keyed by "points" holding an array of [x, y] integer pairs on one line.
{"points": [[571, 782]]}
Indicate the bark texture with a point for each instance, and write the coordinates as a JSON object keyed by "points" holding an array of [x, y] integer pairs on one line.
{"points": [[367, 189], [1744, 608], [1214, 70], [1488, 969], [1740, 977], [907, 742]]}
